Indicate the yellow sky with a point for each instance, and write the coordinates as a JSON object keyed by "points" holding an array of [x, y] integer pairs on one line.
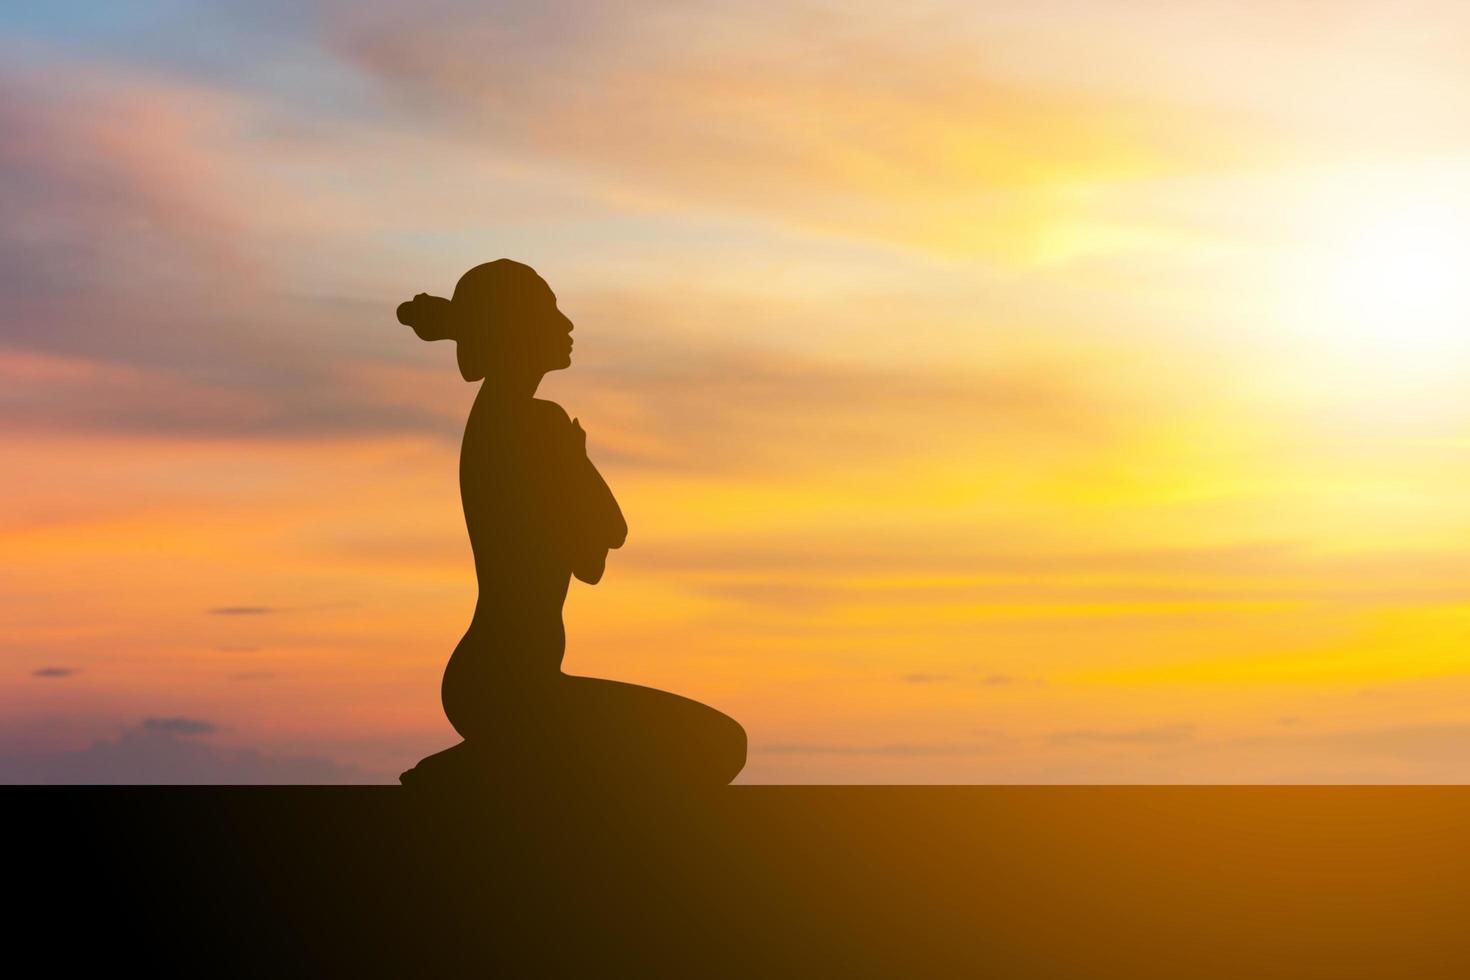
{"points": [[1068, 394]]}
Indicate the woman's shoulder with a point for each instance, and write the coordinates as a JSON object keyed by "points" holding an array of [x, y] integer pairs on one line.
{"points": [[536, 415], [550, 410], [550, 418]]}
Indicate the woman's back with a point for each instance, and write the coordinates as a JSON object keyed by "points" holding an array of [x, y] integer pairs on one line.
{"points": [[508, 485], [510, 468]]}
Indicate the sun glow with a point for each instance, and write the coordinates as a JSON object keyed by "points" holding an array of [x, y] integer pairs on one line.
{"points": [[1387, 270], [1407, 277]]}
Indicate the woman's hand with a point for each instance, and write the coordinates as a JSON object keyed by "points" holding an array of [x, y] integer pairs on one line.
{"points": [[595, 515]]}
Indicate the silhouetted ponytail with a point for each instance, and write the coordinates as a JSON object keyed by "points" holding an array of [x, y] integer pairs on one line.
{"points": [[430, 317], [486, 296]]}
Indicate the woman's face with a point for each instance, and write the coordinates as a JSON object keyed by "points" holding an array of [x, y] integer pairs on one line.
{"points": [[522, 333], [547, 333]]}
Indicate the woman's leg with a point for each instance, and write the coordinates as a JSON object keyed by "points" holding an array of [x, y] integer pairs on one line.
{"points": [[629, 733], [569, 730]]}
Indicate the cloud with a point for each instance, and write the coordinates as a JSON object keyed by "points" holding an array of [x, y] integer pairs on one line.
{"points": [[271, 610], [777, 571], [146, 278], [720, 405], [171, 751], [156, 292], [1158, 735], [1066, 597], [1446, 745], [65, 393], [54, 672], [868, 126], [92, 204], [994, 552], [179, 726], [883, 749], [990, 680]]}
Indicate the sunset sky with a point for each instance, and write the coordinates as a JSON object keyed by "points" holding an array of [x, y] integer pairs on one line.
{"points": [[1054, 392]]}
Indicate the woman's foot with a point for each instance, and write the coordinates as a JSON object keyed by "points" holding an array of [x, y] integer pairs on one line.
{"points": [[439, 768]]}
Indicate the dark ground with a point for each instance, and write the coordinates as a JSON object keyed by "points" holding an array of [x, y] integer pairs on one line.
{"points": [[1009, 882]]}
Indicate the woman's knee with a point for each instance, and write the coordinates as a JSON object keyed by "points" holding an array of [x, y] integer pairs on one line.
{"points": [[707, 745], [728, 747]]}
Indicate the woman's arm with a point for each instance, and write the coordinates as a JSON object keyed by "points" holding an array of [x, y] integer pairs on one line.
{"points": [[603, 506], [595, 521]]}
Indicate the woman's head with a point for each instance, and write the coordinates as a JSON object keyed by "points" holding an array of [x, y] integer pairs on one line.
{"points": [[503, 319]]}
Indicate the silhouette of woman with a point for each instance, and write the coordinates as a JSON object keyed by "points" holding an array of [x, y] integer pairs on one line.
{"points": [[538, 512]]}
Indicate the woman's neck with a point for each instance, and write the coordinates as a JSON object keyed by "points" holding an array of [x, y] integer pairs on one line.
{"points": [[510, 390]]}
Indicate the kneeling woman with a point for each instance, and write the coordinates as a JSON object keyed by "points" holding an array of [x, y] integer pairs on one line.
{"points": [[538, 512]]}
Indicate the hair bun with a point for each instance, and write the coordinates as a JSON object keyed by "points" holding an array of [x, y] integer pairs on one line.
{"points": [[429, 316]]}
